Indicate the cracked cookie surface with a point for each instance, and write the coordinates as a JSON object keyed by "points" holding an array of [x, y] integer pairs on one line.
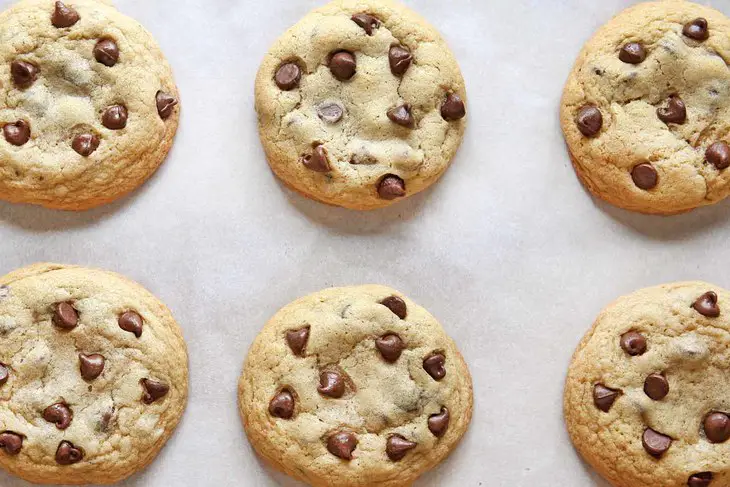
{"points": [[646, 399], [360, 104], [93, 375], [88, 105], [646, 109], [354, 386]]}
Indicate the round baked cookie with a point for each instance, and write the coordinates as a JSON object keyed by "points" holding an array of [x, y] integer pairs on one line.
{"points": [[93, 375], [646, 109], [354, 386], [360, 104], [646, 398], [88, 106]]}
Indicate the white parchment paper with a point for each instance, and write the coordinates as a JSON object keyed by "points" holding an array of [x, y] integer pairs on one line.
{"points": [[508, 251]]}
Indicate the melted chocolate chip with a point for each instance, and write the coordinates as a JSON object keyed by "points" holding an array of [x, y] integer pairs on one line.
{"points": [[717, 427], [391, 187], [343, 65], [288, 76], [11, 442], [656, 386], [297, 340], [402, 115], [589, 120], [632, 53], [85, 144], [68, 454], [4, 374], [645, 176], [317, 161], [434, 365], [91, 366], [396, 305], [397, 446], [65, 316], [64, 16], [390, 347], [115, 117], [655, 444], [453, 108], [674, 111], [367, 22], [331, 384], [165, 104], [132, 322], [342, 444], [106, 52], [17, 133], [438, 423], [24, 73], [696, 29], [153, 390], [633, 343], [718, 154], [702, 479], [400, 60], [59, 414], [706, 305], [330, 112], [282, 405], [604, 397]]}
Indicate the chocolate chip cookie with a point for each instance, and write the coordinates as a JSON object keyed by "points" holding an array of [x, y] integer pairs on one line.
{"points": [[646, 398], [354, 386], [646, 109], [360, 104], [93, 375], [88, 105]]}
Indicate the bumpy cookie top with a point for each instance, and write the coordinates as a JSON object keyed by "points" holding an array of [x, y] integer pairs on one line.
{"points": [[360, 103], [88, 107], [646, 110], [354, 386], [93, 375], [646, 399]]}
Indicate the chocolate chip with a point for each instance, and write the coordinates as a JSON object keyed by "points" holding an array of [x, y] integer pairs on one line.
{"points": [[330, 112], [604, 397], [701, 479], [400, 60], [438, 423], [434, 364], [105, 420], [132, 322], [367, 22], [85, 144], [343, 65], [68, 454], [115, 117], [331, 383], [632, 53], [65, 316], [60, 414], [717, 427], [402, 115], [655, 444], [24, 73], [17, 133], [675, 111], [317, 161], [342, 444], [297, 340], [106, 52], [656, 386], [645, 176], [397, 446], [4, 374], [453, 108], [391, 187], [589, 120], [91, 366], [633, 343], [165, 104], [696, 29], [706, 305], [718, 154], [153, 390], [11, 442], [287, 77], [390, 347], [64, 16], [396, 305], [282, 405]]}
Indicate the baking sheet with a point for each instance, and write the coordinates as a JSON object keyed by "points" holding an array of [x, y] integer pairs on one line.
{"points": [[508, 251]]}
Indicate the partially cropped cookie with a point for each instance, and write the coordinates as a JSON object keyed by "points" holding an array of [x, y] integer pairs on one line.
{"points": [[646, 109], [88, 105], [646, 398], [360, 104], [93, 375], [354, 386]]}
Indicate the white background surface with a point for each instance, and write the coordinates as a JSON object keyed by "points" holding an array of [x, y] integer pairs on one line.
{"points": [[507, 251]]}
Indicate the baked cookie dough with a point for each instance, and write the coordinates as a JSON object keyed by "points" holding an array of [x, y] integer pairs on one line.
{"points": [[354, 386], [360, 104], [646, 398], [88, 106], [646, 109], [93, 375]]}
